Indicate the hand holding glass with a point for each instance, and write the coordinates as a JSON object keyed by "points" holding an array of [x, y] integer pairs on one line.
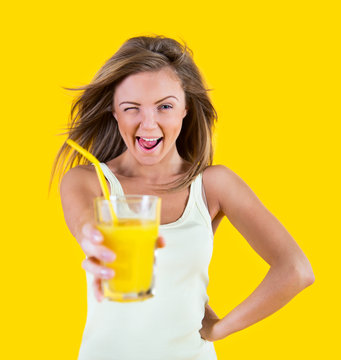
{"points": [[133, 239]]}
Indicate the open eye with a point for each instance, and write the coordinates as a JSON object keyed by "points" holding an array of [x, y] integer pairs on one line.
{"points": [[166, 107]]}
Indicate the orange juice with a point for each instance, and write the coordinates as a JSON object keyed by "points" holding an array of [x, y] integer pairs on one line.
{"points": [[133, 241]]}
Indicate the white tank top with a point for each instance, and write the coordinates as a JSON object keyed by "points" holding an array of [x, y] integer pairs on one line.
{"points": [[165, 327]]}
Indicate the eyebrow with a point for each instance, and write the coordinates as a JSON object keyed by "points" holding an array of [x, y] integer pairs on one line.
{"points": [[135, 103]]}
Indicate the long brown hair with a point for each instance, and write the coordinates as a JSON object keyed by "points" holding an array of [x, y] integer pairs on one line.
{"points": [[93, 126]]}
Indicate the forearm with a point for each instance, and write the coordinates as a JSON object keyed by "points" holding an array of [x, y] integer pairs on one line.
{"points": [[277, 288], [76, 219]]}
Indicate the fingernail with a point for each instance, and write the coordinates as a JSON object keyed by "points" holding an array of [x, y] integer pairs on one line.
{"points": [[97, 236], [107, 273], [108, 256]]}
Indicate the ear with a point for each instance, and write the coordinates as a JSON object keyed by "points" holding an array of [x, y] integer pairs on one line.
{"points": [[112, 110], [184, 113]]}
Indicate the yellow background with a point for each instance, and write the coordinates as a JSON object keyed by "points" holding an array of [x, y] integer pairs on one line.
{"points": [[274, 68]]}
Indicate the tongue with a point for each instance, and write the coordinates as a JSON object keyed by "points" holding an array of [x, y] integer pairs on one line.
{"points": [[147, 144]]}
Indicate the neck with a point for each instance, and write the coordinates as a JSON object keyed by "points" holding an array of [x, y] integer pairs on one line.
{"points": [[163, 171]]}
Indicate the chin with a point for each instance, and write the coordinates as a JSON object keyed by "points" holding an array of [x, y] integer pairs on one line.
{"points": [[148, 159]]}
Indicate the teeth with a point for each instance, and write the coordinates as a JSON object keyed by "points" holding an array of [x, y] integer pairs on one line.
{"points": [[146, 139]]}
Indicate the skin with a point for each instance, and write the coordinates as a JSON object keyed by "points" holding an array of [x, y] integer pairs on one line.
{"points": [[227, 195], [152, 121]]}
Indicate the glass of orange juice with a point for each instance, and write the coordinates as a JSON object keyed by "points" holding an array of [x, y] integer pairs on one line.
{"points": [[133, 239]]}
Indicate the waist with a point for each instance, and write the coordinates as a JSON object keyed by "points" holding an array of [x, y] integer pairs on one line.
{"points": [[143, 338], [167, 322]]}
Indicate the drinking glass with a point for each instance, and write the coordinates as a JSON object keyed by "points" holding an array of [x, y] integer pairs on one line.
{"points": [[132, 237]]}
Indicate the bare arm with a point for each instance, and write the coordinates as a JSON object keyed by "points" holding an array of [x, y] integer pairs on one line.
{"points": [[290, 271], [78, 189]]}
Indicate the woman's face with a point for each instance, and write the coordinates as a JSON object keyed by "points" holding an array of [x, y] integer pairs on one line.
{"points": [[149, 108]]}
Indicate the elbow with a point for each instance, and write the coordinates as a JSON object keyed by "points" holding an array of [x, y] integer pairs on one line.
{"points": [[304, 270], [300, 273], [299, 279], [308, 278]]}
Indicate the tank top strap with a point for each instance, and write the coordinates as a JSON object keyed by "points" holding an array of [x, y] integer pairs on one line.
{"points": [[115, 185], [196, 195], [199, 195]]}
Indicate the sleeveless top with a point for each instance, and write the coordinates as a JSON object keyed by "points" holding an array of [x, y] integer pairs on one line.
{"points": [[165, 327]]}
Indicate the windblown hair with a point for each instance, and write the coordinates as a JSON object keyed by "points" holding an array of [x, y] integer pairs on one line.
{"points": [[93, 126]]}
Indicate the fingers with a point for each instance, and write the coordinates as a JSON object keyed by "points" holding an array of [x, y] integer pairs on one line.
{"points": [[91, 232], [98, 289], [97, 254], [92, 266], [90, 243]]}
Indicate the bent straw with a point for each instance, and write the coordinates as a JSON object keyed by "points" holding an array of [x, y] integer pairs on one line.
{"points": [[99, 172]]}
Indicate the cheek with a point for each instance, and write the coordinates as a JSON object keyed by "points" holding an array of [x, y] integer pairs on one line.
{"points": [[178, 120], [175, 128], [124, 129], [127, 123]]}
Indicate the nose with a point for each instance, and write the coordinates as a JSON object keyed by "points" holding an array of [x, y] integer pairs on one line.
{"points": [[148, 120]]}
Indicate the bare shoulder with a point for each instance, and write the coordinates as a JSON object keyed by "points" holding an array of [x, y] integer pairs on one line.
{"points": [[262, 230], [213, 182], [219, 178], [216, 172], [80, 177], [80, 172], [225, 188], [78, 188]]}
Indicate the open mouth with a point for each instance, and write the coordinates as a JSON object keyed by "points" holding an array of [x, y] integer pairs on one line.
{"points": [[148, 144]]}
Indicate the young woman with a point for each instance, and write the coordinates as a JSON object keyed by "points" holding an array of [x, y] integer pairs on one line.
{"points": [[148, 118]]}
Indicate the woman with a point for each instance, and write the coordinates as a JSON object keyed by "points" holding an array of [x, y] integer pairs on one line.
{"points": [[147, 117]]}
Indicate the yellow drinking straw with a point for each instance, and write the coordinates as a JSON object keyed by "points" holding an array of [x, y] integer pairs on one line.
{"points": [[99, 172]]}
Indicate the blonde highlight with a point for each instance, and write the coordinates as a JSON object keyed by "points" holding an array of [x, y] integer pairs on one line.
{"points": [[92, 124]]}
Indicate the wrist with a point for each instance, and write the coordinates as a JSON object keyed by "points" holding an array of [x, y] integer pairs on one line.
{"points": [[221, 330]]}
